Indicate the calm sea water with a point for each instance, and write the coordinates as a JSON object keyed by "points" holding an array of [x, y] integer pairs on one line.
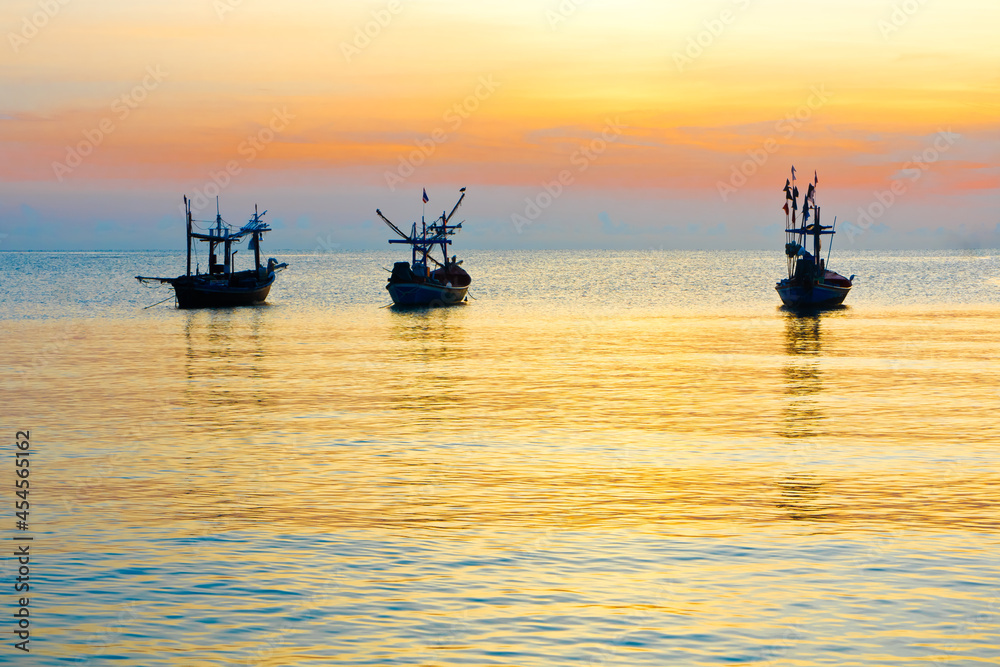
{"points": [[605, 459]]}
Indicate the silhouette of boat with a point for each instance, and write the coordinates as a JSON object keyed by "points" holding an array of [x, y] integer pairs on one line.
{"points": [[414, 283], [810, 284], [223, 286]]}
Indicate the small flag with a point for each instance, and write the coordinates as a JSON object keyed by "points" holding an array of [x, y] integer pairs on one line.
{"points": [[795, 192], [815, 178], [425, 196], [785, 208], [793, 172], [805, 214], [788, 185], [811, 193]]}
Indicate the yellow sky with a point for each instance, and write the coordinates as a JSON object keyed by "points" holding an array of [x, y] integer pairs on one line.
{"points": [[511, 91]]}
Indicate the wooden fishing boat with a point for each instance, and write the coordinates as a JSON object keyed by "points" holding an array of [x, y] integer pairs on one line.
{"points": [[414, 283], [222, 286], [810, 284]]}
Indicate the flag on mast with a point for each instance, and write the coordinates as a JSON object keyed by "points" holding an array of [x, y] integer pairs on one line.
{"points": [[425, 196], [793, 172]]}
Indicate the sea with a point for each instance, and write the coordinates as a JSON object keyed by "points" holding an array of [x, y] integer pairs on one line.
{"points": [[603, 458]]}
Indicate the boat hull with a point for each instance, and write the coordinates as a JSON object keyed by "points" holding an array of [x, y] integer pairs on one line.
{"points": [[409, 295], [812, 296], [219, 294]]}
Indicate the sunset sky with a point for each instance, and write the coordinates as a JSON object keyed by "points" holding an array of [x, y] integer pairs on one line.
{"points": [[595, 124]]}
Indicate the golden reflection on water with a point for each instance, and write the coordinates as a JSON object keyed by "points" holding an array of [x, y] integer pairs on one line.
{"points": [[442, 440], [400, 418], [803, 345], [801, 492]]}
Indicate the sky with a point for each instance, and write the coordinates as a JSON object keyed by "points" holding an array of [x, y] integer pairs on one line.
{"points": [[620, 124]]}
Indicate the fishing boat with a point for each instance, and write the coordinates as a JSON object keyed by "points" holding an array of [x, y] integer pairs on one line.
{"points": [[810, 283], [415, 283], [223, 286]]}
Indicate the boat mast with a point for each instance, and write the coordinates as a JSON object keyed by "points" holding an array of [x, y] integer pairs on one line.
{"points": [[256, 240], [423, 238], [444, 243], [829, 248], [187, 210], [413, 246], [423, 245], [817, 230], [439, 232], [445, 219], [227, 242], [455, 207], [791, 239]]}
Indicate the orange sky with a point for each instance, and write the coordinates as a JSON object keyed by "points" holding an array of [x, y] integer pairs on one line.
{"points": [[143, 101]]}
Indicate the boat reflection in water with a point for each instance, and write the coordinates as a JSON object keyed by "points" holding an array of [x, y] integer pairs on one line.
{"points": [[224, 396], [434, 348], [225, 358], [803, 426]]}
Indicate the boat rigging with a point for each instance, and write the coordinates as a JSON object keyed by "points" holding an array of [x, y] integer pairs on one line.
{"points": [[222, 285], [414, 283]]}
